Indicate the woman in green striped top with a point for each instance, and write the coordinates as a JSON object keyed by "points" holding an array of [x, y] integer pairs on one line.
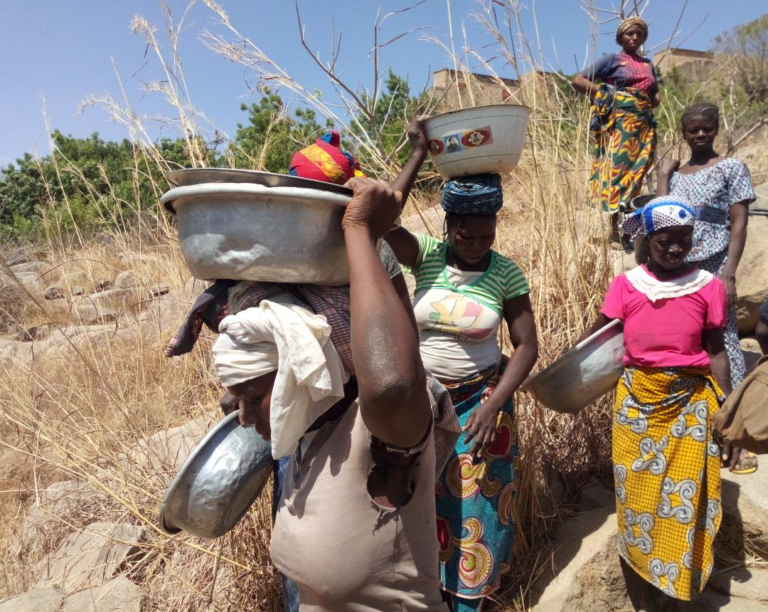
{"points": [[464, 290]]}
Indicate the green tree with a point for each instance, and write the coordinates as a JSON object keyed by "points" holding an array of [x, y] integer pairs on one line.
{"points": [[86, 182], [272, 135], [386, 128]]}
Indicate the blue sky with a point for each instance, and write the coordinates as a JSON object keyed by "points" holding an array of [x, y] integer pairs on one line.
{"points": [[56, 52]]}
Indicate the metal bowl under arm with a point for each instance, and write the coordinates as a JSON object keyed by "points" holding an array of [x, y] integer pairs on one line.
{"points": [[220, 480], [589, 370]]}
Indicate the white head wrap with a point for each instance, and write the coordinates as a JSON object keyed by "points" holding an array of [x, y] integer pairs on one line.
{"points": [[659, 213], [282, 335]]}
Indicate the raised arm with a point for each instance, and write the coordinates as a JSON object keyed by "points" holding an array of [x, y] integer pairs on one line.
{"points": [[391, 380], [407, 177], [403, 243]]}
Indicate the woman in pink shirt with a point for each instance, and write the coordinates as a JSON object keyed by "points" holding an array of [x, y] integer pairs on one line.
{"points": [[665, 455]]}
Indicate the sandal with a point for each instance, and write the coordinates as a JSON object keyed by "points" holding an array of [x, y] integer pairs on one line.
{"points": [[747, 465]]}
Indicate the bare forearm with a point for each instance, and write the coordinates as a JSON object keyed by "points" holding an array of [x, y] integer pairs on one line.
{"points": [[519, 366], [584, 86], [599, 323], [662, 184], [390, 375], [407, 177], [737, 241], [721, 370]]}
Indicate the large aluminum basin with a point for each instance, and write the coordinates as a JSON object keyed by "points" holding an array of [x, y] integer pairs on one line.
{"points": [[245, 231], [219, 481], [585, 373]]}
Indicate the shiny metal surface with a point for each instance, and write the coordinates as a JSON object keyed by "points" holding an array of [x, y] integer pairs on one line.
{"points": [[504, 126], [219, 481], [245, 231], [197, 176], [578, 378]]}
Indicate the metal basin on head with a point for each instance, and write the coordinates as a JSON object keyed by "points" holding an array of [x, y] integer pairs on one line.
{"points": [[479, 140], [257, 232], [582, 375]]}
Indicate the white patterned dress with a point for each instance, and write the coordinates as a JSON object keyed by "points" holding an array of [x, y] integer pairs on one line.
{"points": [[720, 186]]}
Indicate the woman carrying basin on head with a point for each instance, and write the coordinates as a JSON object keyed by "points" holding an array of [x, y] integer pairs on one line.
{"points": [[355, 525], [666, 460], [464, 291], [622, 122]]}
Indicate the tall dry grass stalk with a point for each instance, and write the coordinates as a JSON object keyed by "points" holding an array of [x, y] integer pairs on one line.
{"points": [[81, 413]]}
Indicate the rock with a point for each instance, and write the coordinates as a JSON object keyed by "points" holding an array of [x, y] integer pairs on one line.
{"points": [[89, 558], [194, 287], [54, 292], [33, 333], [127, 279], [167, 450], [78, 290], [90, 313], [31, 280], [747, 583], [752, 275], [117, 595], [110, 298], [159, 289], [745, 500], [578, 541], [33, 267], [596, 495], [46, 599], [59, 304], [752, 352], [58, 500], [131, 258], [101, 284], [163, 313]]}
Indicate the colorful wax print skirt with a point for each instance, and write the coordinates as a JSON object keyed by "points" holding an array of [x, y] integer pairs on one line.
{"points": [[667, 472], [475, 522], [624, 147]]}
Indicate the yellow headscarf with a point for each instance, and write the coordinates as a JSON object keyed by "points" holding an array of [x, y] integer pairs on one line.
{"points": [[628, 23]]}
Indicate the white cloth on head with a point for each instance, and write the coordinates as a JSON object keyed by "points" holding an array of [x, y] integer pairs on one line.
{"points": [[280, 334], [659, 213]]}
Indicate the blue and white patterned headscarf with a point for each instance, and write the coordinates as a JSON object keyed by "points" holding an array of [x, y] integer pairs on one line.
{"points": [[480, 194], [659, 213]]}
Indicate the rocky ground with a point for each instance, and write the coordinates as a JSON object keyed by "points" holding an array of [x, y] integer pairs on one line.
{"points": [[92, 569]]}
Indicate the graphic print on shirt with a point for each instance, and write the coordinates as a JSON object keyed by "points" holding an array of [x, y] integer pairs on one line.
{"points": [[454, 313]]}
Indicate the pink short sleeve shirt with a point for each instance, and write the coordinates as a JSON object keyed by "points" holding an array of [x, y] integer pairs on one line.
{"points": [[668, 332]]}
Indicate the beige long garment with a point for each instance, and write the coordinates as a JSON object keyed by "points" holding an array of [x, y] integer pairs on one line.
{"points": [[345, 553]]}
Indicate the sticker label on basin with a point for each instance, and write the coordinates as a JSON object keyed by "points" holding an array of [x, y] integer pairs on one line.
{"points": [[460, 141]]}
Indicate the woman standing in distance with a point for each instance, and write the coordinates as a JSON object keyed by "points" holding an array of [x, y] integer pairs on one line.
{"points": [[464, 290], [622, 120], [720, 189]]}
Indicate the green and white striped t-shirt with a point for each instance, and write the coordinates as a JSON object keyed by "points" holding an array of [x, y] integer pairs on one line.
{"points": [[501, 282]]}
